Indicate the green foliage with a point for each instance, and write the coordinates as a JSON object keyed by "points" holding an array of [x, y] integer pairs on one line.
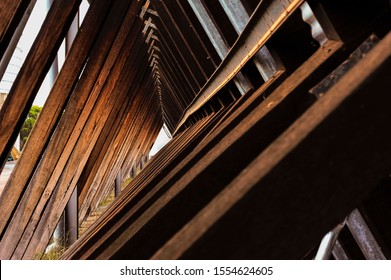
{"points": [[35, 111], [29, 124]]}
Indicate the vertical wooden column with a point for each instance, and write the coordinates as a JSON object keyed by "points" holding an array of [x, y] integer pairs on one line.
{"points": [[117, 184]]}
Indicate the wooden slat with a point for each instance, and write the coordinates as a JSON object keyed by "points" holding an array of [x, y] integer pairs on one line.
{"points": [[140, 134], [33, 71], [95, 181], [265, 21], [164, 159], [234, 132], [53, 108], [170, 24], [75, 154], [83, 98], [352, 118], [11, 12]]}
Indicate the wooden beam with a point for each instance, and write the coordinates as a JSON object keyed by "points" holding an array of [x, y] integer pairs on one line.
{"points": [[164, 160], [254, 36], [304, 177], [201, 157], [54, 106], [95, 179], [84, 97], [33, 72], [78, 149]]}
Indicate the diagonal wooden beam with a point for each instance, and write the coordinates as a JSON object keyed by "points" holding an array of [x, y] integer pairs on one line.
{"points": [[265, 21], [83, 98], [53, 108], [75, 154], [11, 12], [348, 127], [33, 72]]}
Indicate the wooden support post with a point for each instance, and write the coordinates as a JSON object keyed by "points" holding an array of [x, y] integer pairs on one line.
{"points": [[117, 185]]}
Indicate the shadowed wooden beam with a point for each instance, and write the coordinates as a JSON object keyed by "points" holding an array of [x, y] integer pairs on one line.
{"points": [[164, 160], [129, 110], [348, 127], [53, 108], [139, 134], [265, 21], [6, 57], [85, 181], [200, 158]]}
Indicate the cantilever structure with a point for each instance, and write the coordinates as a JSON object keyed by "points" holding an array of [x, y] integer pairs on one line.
{"points": [[279, 111]]}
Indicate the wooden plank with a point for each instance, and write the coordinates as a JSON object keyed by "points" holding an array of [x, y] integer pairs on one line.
{"points": [[129, 160], [201, 157], [99, 152], [33, 71], [94, 180], [167, 45], [83, 98], [136, 186], [11, 12], [76, 153], [167, 65], [265, 21], [139, 134], [171, 24], [304, 178], [54, 106]]}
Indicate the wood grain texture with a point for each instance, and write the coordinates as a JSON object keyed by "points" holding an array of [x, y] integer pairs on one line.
{"points": [[33, 71], [348, 127], [11, 12], [53, 109]]}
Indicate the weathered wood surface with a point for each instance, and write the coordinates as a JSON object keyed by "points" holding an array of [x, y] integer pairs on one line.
{"points": [[130, 112], [180, 40], [68, 169], [223, 168], [348, 126], [164, 160], [81, 103], [208, 163], [11, 12], [33, 72], [188, 162], [53, 108]]}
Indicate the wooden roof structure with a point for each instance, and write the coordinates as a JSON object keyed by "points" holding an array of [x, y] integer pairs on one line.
{"points": [[279, 112]]}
